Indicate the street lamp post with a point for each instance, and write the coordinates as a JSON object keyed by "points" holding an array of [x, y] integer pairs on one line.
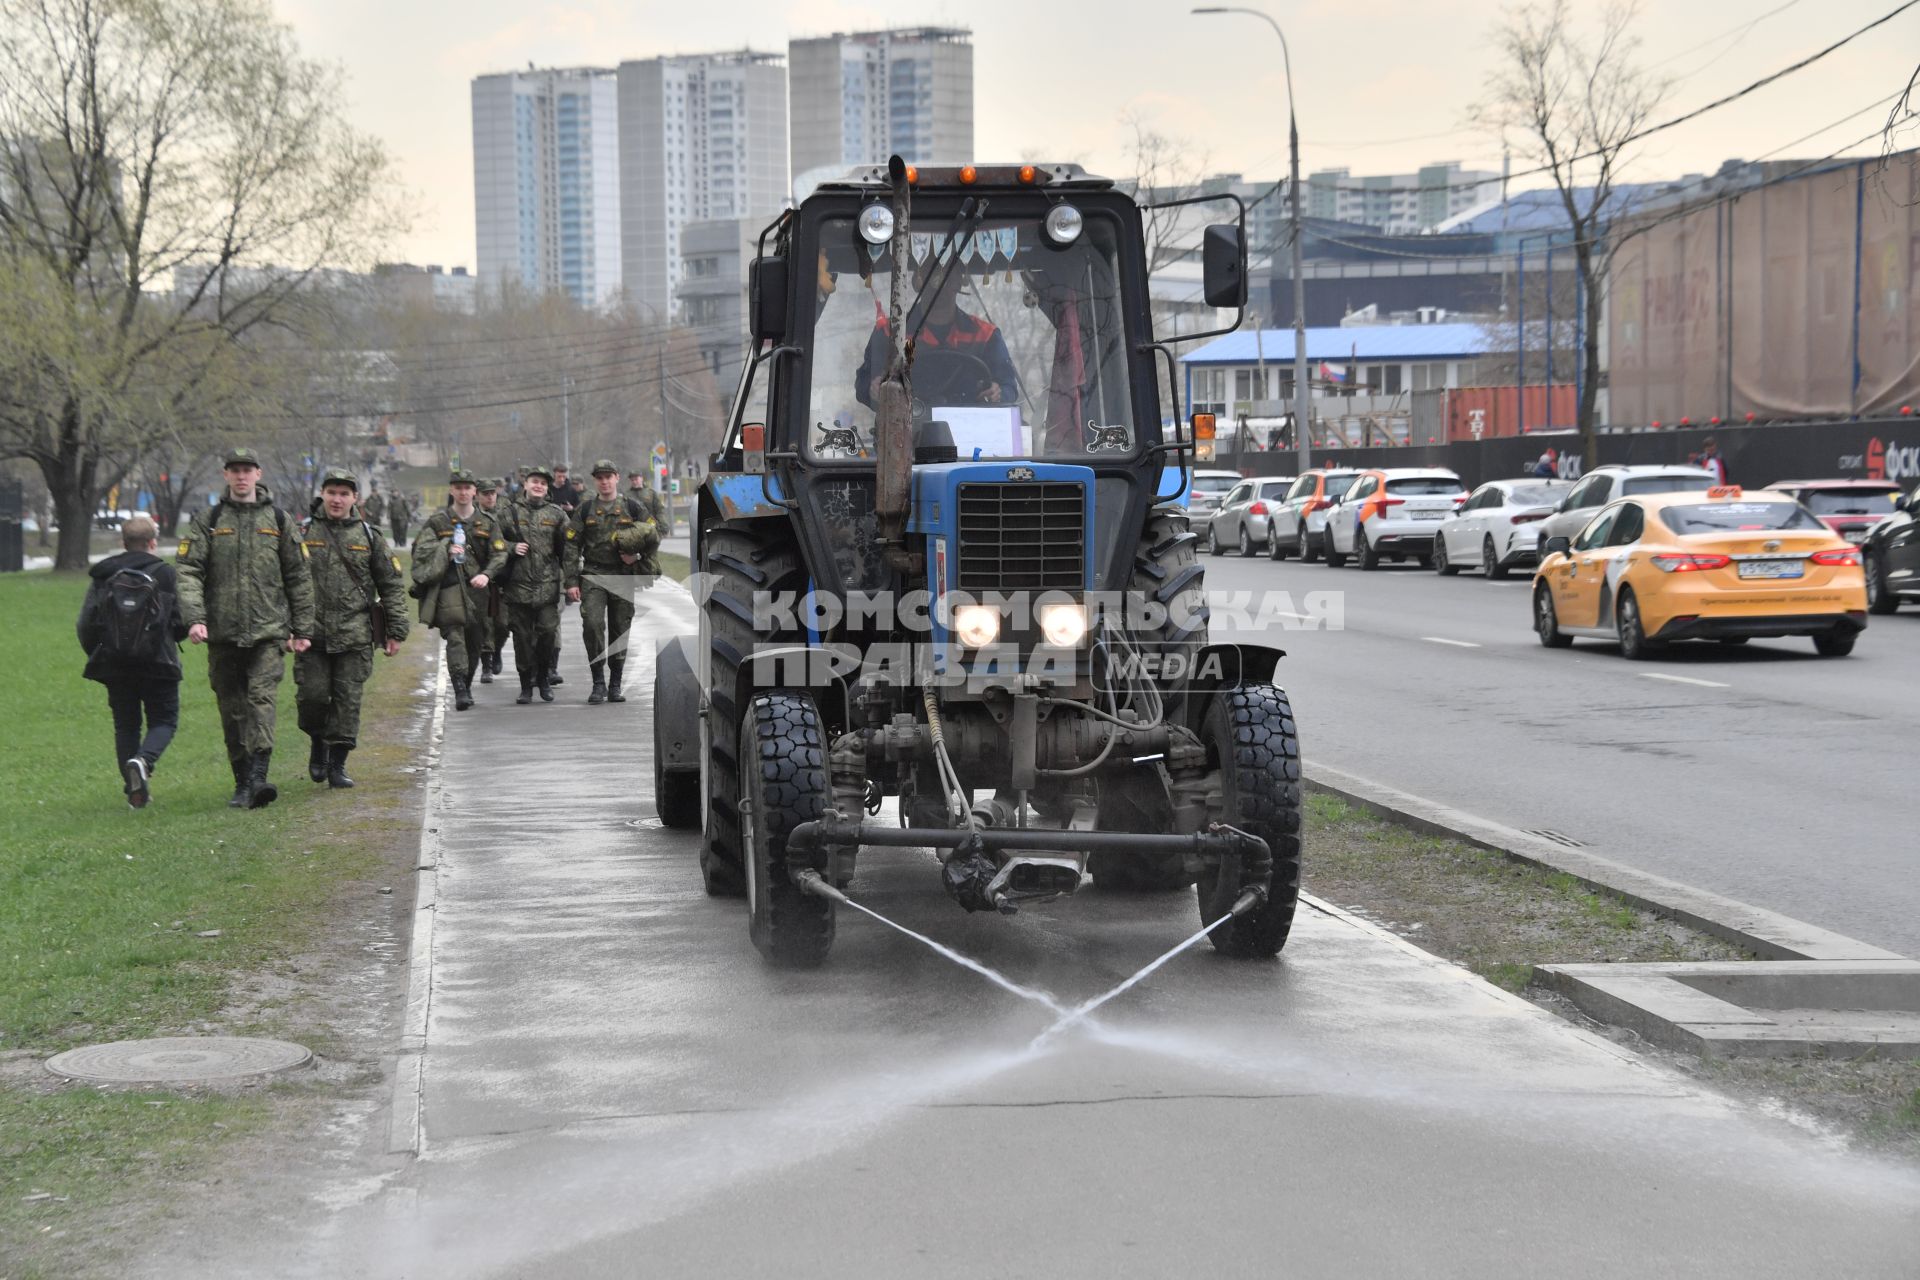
{"points": [[1302, 387]]}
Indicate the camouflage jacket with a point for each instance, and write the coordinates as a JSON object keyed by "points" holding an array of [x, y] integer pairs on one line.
{"points": [[433, 566], [537, 576], [375, 506], [601, 532], [354, 572], [244, 574]]}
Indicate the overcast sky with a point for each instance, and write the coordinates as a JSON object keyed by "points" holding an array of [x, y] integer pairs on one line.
{"points": [[1052, 79]]}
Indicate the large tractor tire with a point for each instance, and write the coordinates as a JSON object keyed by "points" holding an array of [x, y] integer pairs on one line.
{"points": [[1250, 732], [742, 558], [785, 783]]}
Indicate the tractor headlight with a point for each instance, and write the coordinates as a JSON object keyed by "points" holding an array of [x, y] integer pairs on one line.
{"points": [[976, 625], [1064, 224], [876, 224], [1063, 625]]}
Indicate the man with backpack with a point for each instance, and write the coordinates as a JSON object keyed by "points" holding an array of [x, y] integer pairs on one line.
{"points": [[610, 541], [131, 630], [359, 606], [458, 553], [246, 593]]}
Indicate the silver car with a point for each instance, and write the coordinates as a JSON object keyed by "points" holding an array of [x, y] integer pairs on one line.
{"points": [[1498, 527], [1605, 484], [1203, 498], [1245, 518]]}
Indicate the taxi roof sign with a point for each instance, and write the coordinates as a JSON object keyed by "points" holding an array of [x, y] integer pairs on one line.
{"points": [[1726, 491]]}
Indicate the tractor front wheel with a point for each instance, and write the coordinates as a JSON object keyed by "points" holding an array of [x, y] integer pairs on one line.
{"points": [[783, 783], [1250, 732]]}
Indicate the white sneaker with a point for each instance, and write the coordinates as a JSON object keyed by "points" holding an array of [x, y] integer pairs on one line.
{"points": [[135, 772]]}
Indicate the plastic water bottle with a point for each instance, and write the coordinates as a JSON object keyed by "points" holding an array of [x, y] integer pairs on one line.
{"points": [[459, 543]]}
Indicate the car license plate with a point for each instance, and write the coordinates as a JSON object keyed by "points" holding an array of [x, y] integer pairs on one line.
{"points": [[1772, 569], [1428, 515], [1855, 536]]}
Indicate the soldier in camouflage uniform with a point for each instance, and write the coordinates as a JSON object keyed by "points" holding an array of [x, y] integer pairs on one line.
{"points": [[246, 593], [460, 550], [497, 631], [609, 540], [354, 573], [399, 512], [374, 507], [537, 536], [641, 490]]}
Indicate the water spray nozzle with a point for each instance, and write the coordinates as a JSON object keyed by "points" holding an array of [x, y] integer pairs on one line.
{"points": [[811, 881], [1252, 898]]}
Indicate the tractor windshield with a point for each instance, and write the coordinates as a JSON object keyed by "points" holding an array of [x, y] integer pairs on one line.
{"points": [[1019, 345]]}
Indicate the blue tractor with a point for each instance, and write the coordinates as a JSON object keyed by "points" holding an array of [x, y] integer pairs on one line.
{"points": [[942, 558]]}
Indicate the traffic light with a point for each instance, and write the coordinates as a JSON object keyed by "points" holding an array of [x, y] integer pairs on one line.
{"points": [[663, 475]]}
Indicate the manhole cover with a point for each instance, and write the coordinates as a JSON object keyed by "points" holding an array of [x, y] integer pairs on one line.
{"points": [[178, 1059]]}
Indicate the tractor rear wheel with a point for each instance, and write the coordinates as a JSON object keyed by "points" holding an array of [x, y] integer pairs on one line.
{"points": [[1250, 732], [785, 783], [742, 558]]}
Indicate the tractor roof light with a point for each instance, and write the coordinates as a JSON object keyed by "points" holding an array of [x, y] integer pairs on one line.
{"points": [[876, 224], [1064, 224]]}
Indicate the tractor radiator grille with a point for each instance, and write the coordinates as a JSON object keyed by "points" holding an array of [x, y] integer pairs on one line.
{"points": [[1022, 537]]}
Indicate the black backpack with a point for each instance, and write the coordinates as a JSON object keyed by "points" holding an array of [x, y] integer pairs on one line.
{"points": [[135, 614]]}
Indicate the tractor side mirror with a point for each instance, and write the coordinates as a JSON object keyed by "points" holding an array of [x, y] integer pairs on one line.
{"points": [[767, 286], [1223, 260]]}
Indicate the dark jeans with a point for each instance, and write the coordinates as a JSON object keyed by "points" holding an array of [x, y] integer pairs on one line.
{"points": [[160, 699]]}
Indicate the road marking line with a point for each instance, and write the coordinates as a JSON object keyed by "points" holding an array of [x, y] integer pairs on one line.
{"points": [[1704, 684], [1283, 613], [1458, 644]]}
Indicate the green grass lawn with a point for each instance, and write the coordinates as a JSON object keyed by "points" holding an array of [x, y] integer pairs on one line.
{"points": [[103, 908]]}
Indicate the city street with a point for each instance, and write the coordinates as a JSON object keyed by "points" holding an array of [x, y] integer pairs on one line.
{"points": [[614, 1084], [1763, 773]]}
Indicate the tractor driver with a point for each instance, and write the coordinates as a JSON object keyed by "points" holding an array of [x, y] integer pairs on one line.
{"points": [[958, 359]]}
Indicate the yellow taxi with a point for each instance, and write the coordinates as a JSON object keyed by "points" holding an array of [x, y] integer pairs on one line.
{"points": [[1726, 565]]}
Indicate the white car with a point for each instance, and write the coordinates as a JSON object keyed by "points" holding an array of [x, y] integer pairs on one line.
{"points": [[1392, 513], [1203, 497], [1301, 520], [1244, 519], [1606, 484], [1498, 527]]}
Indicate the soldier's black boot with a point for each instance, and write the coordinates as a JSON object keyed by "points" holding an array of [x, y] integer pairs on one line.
{"points": [[337, 766], [526, 691], [317, 758], [462, 694], [264, 792], [543, 682], [599, 694], [614, 667], [242, 787], [486, 668], [553, 674]]}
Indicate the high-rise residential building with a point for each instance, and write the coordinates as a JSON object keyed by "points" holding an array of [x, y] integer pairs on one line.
{"points": [[861, 97], [546, 182], [702, 137], [1399, 203]]}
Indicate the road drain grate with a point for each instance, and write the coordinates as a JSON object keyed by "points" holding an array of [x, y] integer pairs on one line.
{"points": [[1558, 837]]}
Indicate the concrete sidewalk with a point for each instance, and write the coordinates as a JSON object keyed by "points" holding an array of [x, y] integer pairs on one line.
{"points": [[615, 1084]]}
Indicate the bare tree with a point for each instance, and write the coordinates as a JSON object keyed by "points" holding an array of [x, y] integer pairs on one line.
{"points": [[1574, 105], [148, 143]]}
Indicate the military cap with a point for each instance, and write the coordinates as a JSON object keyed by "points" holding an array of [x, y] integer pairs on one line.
{"points": [[460, 475], [340, 475], [489, 486], [541, 471], [241, 458], [605, 468]]}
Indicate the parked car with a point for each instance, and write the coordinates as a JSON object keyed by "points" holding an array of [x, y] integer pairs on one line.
{"points": [[1391, 513], [1203, 496], [1851, 508], [1892, 557], [1610, 483], [1245, 516], [1497, 527], [1302, 518], [1726, 564]]}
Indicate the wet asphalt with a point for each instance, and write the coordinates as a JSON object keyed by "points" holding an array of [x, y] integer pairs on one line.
{"points": [[616, 1085]]}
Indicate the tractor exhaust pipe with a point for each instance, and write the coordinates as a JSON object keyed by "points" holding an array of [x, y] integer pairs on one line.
{"points": [[893, 405]]}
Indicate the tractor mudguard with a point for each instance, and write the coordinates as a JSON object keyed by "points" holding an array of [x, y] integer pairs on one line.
{"points": [[747, 497], [676, 707], [1224, 665], [802, 666]]}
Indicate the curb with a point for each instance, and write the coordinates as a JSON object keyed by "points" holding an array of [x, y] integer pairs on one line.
{"points": [[404, 1115], [1767, 934]]}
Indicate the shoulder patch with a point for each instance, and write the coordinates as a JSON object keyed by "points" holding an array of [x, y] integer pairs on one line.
{"points": [[186, 546], [396, 563], [569, 535], [499, 544]]}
